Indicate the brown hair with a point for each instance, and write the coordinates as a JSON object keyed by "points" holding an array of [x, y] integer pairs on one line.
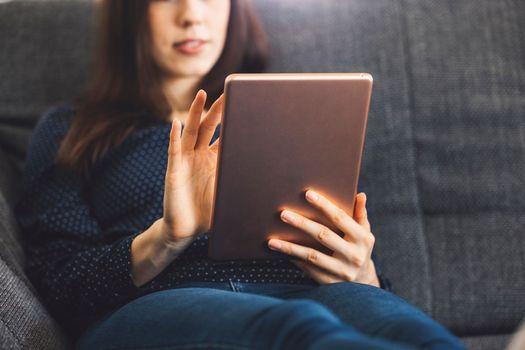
{"points": [[125, 94]]}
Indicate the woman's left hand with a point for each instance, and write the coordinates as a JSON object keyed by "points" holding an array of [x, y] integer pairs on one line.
{"points": [[351, 258]]}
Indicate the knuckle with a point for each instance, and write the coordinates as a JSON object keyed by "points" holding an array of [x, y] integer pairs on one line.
{"points": [[370, 240], [191, 132], [323, 234], [349, 275], [208, 127], [172, 151], [358, 260], [339, 217], [312, 256], [169, 181], [328, 280]]}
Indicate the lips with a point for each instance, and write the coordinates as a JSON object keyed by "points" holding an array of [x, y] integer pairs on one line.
{"points": [[190, 46], [190, 42]]}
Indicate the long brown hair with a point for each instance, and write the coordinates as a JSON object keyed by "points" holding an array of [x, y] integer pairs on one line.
{"points": [[125, 94]]}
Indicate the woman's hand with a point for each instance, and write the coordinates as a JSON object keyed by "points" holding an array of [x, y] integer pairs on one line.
{"points": [[351, 258], [190, 174]]}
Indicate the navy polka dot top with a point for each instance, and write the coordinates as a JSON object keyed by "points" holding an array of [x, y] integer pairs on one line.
{"points": [[78, 235]]}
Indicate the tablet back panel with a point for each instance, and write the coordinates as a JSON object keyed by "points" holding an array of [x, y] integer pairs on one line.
{"points": [[280, 135]]}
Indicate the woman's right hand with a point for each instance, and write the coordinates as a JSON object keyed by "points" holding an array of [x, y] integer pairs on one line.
{"points": [[190, 174]]}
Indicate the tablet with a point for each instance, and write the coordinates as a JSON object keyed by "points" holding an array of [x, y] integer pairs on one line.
{"points": [[280, 135]]}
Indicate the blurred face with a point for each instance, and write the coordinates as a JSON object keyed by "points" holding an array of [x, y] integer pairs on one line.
{"points": [[188, 36]]}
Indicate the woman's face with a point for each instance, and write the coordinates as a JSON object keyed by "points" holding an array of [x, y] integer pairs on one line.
{"points": [[188, 36]]}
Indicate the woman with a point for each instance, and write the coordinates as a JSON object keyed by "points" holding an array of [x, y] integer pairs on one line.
{"points": [[117, 202]]}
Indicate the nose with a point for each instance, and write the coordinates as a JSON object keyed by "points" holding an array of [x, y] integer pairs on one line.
{"points": [[190, 13]]}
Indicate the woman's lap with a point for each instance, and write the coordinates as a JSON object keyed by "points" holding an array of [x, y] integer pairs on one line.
{"points": [[244, 316], [146, 320]]}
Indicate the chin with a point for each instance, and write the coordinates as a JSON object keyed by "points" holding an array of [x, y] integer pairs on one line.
{"points": [[192, 70], [187, 69]]}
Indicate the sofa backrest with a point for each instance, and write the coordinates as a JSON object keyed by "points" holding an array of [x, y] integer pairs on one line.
{"points": [[444, 157], [45, 55]]}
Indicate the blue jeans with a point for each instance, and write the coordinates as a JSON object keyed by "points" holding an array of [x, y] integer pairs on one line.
{"points": [[234, 315]]}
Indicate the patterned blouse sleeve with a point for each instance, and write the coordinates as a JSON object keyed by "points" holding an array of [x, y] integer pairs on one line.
{"points": [[80, 270]]}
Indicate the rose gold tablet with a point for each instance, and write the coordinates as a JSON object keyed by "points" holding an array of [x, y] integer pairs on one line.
{"points": [[280, 135]]}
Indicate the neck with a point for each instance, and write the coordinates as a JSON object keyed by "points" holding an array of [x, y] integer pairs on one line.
{"points": [[180, 93]]}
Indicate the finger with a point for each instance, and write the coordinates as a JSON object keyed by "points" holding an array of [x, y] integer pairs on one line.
{"points": [[336, 215], [209, 124], [321, 233], [215, 145], [316, 273], [174, 147], [191, 129], [360, 212], [306, 254]]}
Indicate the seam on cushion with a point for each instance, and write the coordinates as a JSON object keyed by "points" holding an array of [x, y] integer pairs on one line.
{"points": [[411, 110]]}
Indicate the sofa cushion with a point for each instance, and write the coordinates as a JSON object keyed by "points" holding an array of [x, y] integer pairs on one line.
{"points": [[468, 110]]}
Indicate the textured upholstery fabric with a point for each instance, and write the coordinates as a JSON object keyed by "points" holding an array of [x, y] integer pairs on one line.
{"points": [[493, 342], [44, 59], [468, 109], [444, 160], [10, 237], [25, 322]]}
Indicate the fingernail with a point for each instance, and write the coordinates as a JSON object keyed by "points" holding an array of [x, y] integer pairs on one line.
{"points": [[312, 196], [286, 216], [275, 244]]}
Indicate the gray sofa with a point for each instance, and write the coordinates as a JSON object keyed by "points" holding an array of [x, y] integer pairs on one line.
{"points": [[444, 165]]}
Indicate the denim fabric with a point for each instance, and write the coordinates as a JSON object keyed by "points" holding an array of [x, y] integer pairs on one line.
{"points": [[235, 315]]}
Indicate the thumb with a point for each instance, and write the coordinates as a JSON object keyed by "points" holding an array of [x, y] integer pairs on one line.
{"points": [[361, 214]]}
